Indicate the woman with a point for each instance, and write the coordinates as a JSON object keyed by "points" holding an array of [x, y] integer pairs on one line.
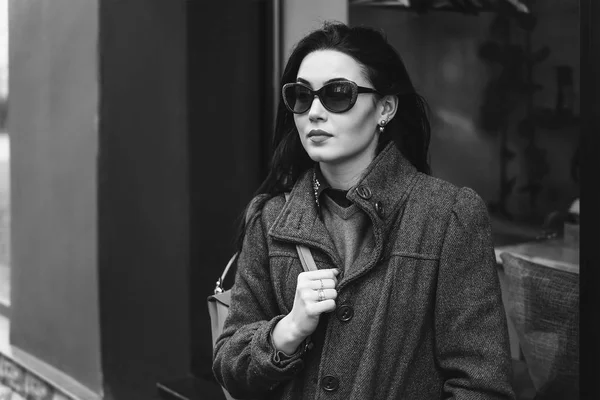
{"points": [[405, 303]]}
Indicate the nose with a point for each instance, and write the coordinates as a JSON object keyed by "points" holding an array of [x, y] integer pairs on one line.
{"points": [[316, 111]]}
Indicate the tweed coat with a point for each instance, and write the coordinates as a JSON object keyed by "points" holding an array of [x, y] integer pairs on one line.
{"points": [[418, 316]]}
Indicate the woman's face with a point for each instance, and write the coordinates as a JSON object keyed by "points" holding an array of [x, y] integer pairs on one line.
{"points": [[349, 137]]}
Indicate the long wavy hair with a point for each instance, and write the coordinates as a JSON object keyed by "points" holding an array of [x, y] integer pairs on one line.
{"points": [[384, 69]]}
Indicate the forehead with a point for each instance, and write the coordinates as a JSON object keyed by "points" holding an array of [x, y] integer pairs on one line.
{"points": [[322, 65]]}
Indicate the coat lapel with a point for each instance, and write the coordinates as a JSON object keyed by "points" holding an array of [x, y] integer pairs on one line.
{"points": [[298, 221], [389, 180]]}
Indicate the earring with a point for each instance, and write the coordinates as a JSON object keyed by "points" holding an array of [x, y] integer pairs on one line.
{"points": [[381, 126]]}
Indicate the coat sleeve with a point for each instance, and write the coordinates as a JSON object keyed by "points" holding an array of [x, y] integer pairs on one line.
{"points": [[471, 334], [244, 359]]}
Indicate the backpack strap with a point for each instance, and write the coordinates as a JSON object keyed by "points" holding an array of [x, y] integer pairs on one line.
{"points": [[219, 284]]}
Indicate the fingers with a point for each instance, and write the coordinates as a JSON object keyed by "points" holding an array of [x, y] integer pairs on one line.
{"points": [[322, 284], [315, 295], [318, 295], [315, 292], [321, 274], [325, 294], [318, 301], [320, 307], [321, 279]]}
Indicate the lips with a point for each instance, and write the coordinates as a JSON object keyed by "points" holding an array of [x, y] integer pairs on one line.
{"points": [[318, 135]]}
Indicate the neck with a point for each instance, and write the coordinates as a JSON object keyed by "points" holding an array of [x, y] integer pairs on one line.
{"points": [[345, 174]]}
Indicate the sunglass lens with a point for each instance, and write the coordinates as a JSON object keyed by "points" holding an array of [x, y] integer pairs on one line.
{"points": [[298, 98], [338, 96]]}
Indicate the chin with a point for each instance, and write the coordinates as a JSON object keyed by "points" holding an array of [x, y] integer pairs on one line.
{"points": [[322, 155], [327, 157]]}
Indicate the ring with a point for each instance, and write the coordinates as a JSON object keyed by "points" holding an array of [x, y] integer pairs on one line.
{"points": [[322, 286], [321, 295]]}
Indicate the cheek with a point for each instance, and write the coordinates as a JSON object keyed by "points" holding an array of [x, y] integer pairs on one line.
{"points": [[364, 116], [300, 121], [360, 126]]}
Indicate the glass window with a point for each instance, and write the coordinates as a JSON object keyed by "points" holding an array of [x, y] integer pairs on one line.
{"points": [[4, 165]]}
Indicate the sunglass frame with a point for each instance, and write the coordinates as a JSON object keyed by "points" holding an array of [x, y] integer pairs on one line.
{"points": [[356, 90]]}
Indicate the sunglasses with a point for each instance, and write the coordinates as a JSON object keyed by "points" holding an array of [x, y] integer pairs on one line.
{"points": [[337, 97]]}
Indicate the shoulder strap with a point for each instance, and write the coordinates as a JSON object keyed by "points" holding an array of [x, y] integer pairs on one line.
{"points": [[219, 285], [306, 258]]}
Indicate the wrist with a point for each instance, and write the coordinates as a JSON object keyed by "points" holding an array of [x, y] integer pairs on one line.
{"points": [[286, 337]]}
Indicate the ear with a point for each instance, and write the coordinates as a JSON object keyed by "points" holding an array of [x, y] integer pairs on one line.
{"points": [[388, 105]]}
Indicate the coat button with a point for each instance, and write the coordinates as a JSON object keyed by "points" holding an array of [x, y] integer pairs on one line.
{"points": [[379, 208], [364, 192], [330, 383], [345, 313]]}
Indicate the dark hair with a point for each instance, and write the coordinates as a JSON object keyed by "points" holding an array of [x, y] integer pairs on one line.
{"points": [[383, 67]]}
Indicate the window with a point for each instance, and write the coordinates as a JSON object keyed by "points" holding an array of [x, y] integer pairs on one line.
{"points": [[4, 165]]}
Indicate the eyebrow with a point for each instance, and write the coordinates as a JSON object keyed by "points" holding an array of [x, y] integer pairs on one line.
{"points": [[301, 80]]}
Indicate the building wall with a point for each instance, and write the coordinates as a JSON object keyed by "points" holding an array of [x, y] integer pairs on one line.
{"points": [[53, 126], [299, 17], [143, 195]]}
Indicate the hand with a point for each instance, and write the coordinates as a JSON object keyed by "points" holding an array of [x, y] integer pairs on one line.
{"points": [[315, 294]]}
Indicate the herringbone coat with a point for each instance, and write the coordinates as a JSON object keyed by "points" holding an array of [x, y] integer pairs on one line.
{"points": [[419, 315]]}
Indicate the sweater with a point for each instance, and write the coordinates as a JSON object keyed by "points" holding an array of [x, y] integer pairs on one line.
{"points": [[349, 228]]}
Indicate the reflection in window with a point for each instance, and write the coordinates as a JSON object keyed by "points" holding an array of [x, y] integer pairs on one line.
{"points": [[4, 164]]}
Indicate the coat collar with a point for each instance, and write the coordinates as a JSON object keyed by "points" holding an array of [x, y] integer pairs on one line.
{"points": [[380, 193]]}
